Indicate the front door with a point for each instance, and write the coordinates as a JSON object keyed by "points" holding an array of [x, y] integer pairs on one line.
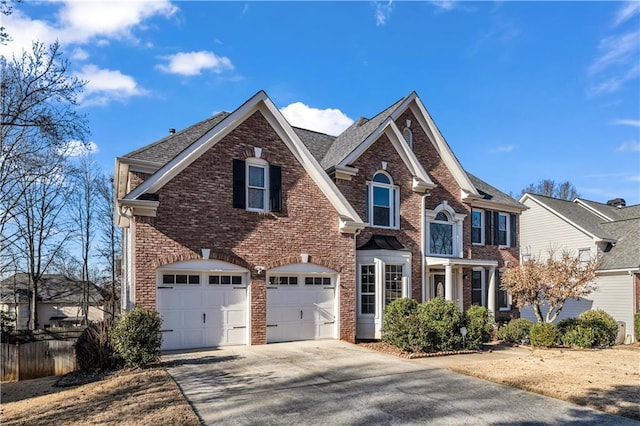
{"points": [[438, 286]]}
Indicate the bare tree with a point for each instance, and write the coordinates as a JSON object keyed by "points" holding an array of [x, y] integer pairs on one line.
{"points": [[109, 246], [39, 226], [549, 188], [37, 114], [547, 285], [84, 201]]}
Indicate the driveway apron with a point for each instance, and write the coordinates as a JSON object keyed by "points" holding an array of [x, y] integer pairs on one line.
{"points": [[331, 382]]}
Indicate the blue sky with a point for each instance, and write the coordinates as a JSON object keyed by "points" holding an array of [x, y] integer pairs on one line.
{"points": [[522, 91]]}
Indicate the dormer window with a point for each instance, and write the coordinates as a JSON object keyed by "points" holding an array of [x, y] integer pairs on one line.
{"points": [[383, 202], [408, 136], [257, 185]]}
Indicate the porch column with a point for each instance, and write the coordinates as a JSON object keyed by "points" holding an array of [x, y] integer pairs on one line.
{"points": [[448, 282], [460, 288], [491, 297]]}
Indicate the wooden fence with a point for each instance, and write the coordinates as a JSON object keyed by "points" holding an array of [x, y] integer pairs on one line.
{"points": [[36, 359]]}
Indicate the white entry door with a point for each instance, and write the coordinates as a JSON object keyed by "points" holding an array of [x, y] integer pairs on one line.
{"points": [[202, 309], [300, 308]]}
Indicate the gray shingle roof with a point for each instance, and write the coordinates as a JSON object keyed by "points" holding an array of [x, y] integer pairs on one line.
{"points": [[577, 214], [493, 194], [626, 251], [317, 143], [53, 288], [615, 213], [353, 136], [165, 149]]}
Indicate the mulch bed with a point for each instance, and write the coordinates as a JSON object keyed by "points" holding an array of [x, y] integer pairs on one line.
{"points": [[388, 348]]}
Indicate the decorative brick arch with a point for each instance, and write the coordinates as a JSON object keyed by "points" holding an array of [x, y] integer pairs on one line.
{"points": [[320, 261], [191, 255]]}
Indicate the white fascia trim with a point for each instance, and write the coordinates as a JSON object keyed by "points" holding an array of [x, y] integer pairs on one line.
{"points": [[527, 196], [629, 271], [345, 172], [142, 166], [441, 145], [131, 208], [457, 261], [389, 128], [348, 226], [259, 102], [593, 210], [492, 205]]}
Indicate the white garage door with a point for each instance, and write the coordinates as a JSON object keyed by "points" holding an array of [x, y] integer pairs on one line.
{"points": [[202, 309], [300, 308]]}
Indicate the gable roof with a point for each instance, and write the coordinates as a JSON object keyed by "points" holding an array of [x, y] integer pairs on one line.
{"points": [[493, 194], [168, 147], [52, 288], [317, 143], [625, 253], [349, 219]]}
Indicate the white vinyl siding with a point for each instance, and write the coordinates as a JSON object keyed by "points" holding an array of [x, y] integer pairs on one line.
{"points": [[614, 295], [540, 229]]}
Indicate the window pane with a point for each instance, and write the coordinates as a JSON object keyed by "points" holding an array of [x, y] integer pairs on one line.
{"points": [[442, 217], [381, 197], [382, 178], [441, 238], [308, 281], [168, 279], [236, 280], [256, 176], [368, 304], [476, 288], [256, 198], [476, 219], [225, 279], [214, 279], [476, 235], [393, 283], [326, 281], [181, 279], [293, 280], [381, 216], [194, 279]]}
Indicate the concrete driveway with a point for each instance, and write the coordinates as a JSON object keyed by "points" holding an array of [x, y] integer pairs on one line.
{"points": [[335, 383]]}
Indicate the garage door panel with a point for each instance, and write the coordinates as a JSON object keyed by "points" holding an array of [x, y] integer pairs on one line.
{"points": [[237, 297], [235, 317]]}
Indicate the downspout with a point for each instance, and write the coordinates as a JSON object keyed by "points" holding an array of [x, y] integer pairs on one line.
{"points": [[423, 236]]}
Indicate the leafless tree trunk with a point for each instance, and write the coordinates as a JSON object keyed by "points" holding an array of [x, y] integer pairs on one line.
{"points": [[109, 247]]}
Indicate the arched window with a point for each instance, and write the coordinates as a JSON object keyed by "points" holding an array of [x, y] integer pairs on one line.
{"points": [[383, 202], [408, 136], [441, 234]]}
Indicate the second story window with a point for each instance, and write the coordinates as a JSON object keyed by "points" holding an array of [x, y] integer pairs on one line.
{"points": [[383, 202], [257, 185], [441, 235], [502, 233], [408, 136], [477, 231]]}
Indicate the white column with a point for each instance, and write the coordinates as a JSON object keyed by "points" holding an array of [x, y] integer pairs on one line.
{"points": [[491, 299], [448, 282]]}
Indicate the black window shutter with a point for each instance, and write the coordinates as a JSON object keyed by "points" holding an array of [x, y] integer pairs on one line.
{"points": [[275, 188], [239, 201], [496, 228], [487, 228], [366, 203], [514, 226]]}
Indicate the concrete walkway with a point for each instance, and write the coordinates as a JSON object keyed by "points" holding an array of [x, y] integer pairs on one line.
{"points": [[335, 383]]}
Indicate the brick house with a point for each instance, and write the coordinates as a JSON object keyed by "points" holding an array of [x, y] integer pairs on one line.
{"points": [[242, 229]]}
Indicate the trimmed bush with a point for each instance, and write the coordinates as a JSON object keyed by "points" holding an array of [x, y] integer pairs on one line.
{"points": [[440, 322], [515, 331], [479, 327], [544, 334], [94, 349], [566, 325], [594, 328], [137, 338], [636, 325], [400, 325]]}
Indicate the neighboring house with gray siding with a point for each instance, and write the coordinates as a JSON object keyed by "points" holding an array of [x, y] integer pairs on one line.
{"points": [[609, 232]]}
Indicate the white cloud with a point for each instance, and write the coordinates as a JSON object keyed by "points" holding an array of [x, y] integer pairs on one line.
{"points": [[633, 146], [193, 63], [627, 11], [444, 5], [76, 148], [622, 122], [79, 54], [504, 148], [80, 22], [383, 10], [615, 64], [106, 85], [635, 178], [330, 121]]}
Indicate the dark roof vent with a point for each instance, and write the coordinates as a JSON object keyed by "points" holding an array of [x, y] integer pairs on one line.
{"points": [[617, 202], [172, 131]]}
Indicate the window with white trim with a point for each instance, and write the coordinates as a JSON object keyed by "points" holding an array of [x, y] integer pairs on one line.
{"points": [[180, 279], [257, 185], [392, 283], [502, 301], [281, 280], [477, 227], [220, 279], [441, 235], [503, 230], [408, 136], [367, 289], [584, 255], [383, 202], [477, 287]]}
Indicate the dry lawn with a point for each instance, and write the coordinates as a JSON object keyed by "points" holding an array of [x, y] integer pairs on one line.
{"points": [[606, 380], [141, 397]]}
